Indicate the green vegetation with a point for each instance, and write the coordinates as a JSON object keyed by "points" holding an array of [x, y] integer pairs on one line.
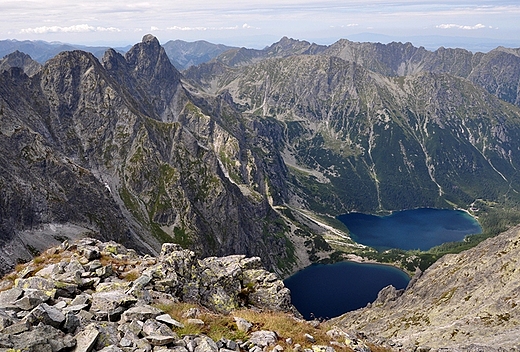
{"points": [[218, 326], [181, 237]]}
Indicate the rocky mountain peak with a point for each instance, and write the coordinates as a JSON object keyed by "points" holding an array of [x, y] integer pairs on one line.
{"points": [[112, 60], [149, 38], [148, 57], [21, 60]]}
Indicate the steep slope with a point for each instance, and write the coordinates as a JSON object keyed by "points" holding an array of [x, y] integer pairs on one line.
{"points": [[19, 59], [466, 299], [283, 48], [357, 140], [496, 71], [124, 150]]}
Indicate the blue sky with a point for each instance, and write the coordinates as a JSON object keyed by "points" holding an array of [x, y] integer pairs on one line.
{"points": [[255, 23]]}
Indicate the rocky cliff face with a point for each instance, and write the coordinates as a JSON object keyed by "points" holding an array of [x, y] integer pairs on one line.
{"points": [[356, 139], [122, 148], [466, 299]]}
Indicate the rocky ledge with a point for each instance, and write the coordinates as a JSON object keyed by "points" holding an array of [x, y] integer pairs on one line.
{"points": [[95, 296]]}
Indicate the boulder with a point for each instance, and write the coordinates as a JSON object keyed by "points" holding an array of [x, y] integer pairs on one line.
{"points": [[243, 324], [264, 338], [141, 313], [159, 340], [166, 318], [86, 339], [43, 338], [47, 315], [8, 297], [31, 299], [154, 327]]}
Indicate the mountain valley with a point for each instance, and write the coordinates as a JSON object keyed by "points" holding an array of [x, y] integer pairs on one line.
{"points": [[255, 152]]}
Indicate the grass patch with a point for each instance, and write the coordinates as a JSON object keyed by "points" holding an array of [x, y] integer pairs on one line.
{"points": [[217, 326]]}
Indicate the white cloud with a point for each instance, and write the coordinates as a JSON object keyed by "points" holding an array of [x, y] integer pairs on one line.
{"points": [[458, 26], [179, 28], [80, 28]]}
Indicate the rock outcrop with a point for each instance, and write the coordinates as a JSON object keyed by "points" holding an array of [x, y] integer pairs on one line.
{"points": [[464, 302], [120, 149], [100, 296]]}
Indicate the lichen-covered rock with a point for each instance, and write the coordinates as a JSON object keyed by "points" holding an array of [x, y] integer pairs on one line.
{"points": [[114, 314]]}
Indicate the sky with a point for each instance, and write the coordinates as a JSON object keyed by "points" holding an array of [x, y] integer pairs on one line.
{"points": [[258, 23]]}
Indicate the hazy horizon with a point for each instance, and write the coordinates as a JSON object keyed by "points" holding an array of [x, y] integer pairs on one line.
{"points": [[258, 24]]}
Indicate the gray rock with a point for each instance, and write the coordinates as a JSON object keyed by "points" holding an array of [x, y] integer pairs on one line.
{"points": [[191, 313], [107, 302], [47, 315], [93, 265], [86, 339], [243, 324], [42, 338], [178, 349], [108, 335], [111, 349], [159, 340], [5, 320], [320, 348], [16, 328], [60, 305], [141, 313], [81, 299], [263, 338], [90, 252], [31, 299], [153, 327], [74, 308], [205, 344], [198, 322], [71, 322], [37, 283], [143, 345], [8, 297], [166, 318], [126, 342], [387, 294], [104, 271]]}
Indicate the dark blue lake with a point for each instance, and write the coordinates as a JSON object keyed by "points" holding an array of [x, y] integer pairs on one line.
{"points": [[410, 229], [327, 291]]}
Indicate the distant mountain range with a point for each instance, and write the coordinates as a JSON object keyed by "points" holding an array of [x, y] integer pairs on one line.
{"points": [[182, 54]]}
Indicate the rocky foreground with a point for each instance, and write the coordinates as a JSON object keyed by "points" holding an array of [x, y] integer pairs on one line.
{"points": [[95, 296]]}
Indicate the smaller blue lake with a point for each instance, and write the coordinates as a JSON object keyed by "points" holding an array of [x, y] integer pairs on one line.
{"points": [[327, 291], [410, 229]]}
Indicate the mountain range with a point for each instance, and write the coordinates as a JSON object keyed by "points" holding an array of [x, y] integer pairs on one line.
{"points": [[246, 153]]}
